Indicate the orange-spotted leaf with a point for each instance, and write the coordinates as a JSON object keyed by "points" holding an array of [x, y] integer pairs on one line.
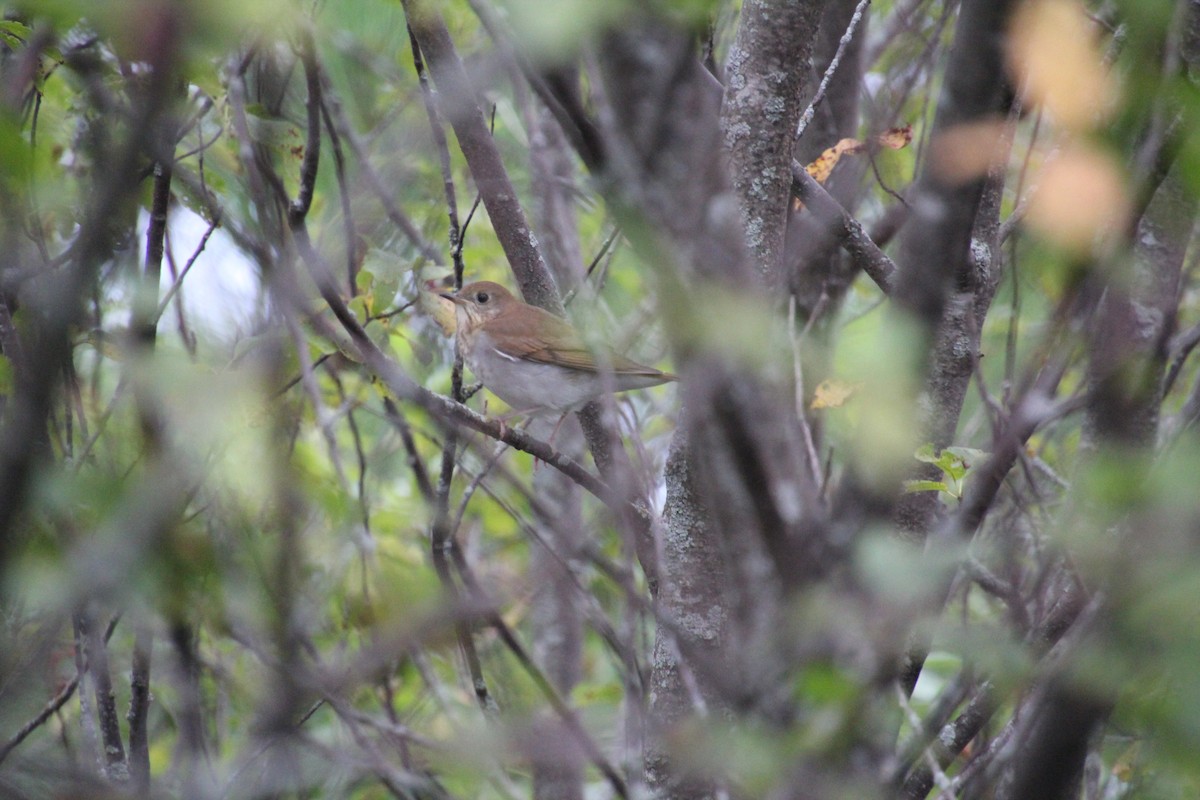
{"points": [[896, 138], [821, 167]]}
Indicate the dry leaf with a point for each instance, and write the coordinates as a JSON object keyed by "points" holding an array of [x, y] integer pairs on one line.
{"points": [[437, 307], [896, 138], [821, 167], [1055, 54], [833, 393], [1079, 196], [965, 152]]}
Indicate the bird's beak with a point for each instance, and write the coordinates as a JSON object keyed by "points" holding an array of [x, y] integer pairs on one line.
{"points": [[453, 298]]}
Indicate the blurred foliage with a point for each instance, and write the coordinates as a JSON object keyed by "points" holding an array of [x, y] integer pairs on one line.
{"points": [[242, 491]]}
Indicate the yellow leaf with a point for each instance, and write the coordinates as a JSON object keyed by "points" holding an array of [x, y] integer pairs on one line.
{"points": [[1123, 767], [896, 138], [833, 393], [1057, 55], [437, 307], [1081, 198], [821, 167]]}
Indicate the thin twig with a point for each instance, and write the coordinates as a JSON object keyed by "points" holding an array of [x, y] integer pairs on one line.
{"points": [[560, 706], [377, 185], [299, 207], [424, 485], [187, 267], [438, 132], [843, 43], [442, 531], [348, 229], [479, 148]]}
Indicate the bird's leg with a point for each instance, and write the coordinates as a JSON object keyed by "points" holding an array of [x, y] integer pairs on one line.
{"points": [[504, 418], [557, 425], [553, 433]]}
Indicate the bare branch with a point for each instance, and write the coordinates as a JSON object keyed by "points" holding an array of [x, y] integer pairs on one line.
{"points": [[475, 141]]}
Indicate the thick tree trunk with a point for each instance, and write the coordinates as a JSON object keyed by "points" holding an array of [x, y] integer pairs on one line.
{"points": [[726, 559], [940, 269]]}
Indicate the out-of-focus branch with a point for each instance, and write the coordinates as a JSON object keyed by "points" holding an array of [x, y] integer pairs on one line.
{"points": [[95, 656], [298, 209], [424, 485], [375, 182], [558, 89], [560, 706], [339, 166], [52, 707], [24, 434]]}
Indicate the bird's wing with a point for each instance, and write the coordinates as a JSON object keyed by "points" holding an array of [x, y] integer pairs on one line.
{"points": [[560, 344]]}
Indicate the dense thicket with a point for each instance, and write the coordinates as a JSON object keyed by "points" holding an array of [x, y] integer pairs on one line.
{"points": [[919, 519]]}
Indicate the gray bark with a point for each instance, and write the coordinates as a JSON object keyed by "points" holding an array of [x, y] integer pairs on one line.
{"points": [[725, 560], [765, 75], [939, 280]]}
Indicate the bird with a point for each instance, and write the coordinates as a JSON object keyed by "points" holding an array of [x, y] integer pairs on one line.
{"points": [[533, 360]]}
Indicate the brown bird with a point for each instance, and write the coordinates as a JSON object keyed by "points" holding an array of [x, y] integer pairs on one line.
{"points": [[531, 359]]}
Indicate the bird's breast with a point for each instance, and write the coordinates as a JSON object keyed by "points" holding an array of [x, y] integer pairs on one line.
{"points": [[523, 384]]}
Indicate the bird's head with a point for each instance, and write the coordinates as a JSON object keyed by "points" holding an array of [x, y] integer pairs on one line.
{"points": [[481, 301]]}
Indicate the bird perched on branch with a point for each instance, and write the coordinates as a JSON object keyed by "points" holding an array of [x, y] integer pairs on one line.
{"points": [[533, 360]]}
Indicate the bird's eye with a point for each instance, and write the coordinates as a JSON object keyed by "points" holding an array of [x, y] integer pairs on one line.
{"points": [[481, 298]]}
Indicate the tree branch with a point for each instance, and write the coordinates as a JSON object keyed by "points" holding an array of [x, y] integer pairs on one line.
{"points": [[760, 111], [475, 140], [52, 707], [848, 230]]}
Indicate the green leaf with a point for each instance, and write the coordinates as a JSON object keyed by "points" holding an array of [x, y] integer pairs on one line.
{"points": [[955, 462], [952, 465], [970, 457], [925, 486], [926, 454], [14, 33], [364, 280]]}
